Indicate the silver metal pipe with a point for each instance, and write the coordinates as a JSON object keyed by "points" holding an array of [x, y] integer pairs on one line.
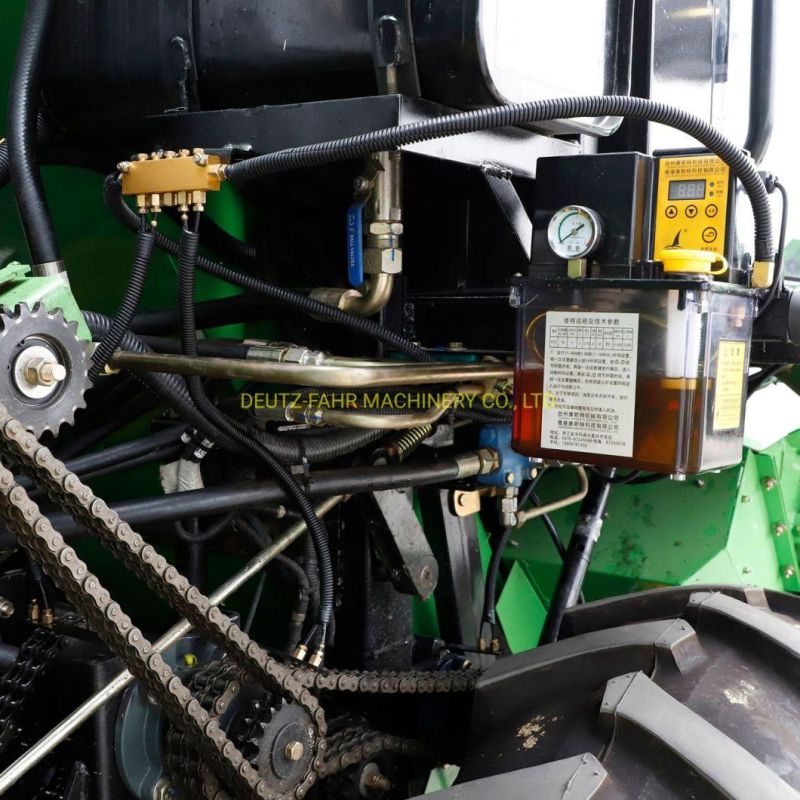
{"points": [[328, 374], [540, 511], [374, 298], [33, 755], [316, 415]]}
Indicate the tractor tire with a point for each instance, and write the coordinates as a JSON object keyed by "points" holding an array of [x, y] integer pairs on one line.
{"points": [[677, 693]]}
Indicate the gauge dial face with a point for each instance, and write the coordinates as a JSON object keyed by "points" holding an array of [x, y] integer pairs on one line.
{"points": [[575, 232]]}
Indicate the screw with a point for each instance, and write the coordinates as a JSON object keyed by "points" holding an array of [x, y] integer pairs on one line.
{"points": [[426, 574], [294, 751], [6, 608], [699, 483], [788, 572], [780, 529], [124, 166], [509, 478], [746, 499], [769, 484]]}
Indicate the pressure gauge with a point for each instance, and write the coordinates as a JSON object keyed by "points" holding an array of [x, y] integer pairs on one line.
{"points": [[575, 232]]}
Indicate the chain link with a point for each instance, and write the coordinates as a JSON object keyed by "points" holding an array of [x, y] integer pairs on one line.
{"points": [[107, 618], [19, 679]]}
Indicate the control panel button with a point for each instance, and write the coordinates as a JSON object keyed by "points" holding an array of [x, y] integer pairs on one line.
{"points": [[691, 211], [671, 212], [712, 211], [710, 235]]}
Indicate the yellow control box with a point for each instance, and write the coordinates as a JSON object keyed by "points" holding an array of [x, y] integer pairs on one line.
{"points": [[693, 198]]}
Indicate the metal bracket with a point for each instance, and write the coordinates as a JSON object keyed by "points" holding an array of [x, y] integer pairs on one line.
{"points": [[780, 520], [402, 543], [392, 39], [498, 180]]}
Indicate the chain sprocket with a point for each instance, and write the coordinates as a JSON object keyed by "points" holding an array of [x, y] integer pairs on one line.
{"points": [[84, 591], [30, 333]]}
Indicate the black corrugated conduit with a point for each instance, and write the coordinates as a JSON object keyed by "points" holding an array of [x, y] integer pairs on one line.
{"points": [[482, 119], [120, 325]]}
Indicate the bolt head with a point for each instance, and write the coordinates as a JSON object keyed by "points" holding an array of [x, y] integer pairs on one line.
{"points": [[509, 478], [780, 529], [788, 572], [294, 751], [769, 484]]}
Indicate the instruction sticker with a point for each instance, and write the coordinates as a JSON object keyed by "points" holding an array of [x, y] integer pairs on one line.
{"points": [[590, 373], [730, 385]]}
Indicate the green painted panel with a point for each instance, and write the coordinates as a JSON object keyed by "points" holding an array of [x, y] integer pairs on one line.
{"points": [[521, 611]]}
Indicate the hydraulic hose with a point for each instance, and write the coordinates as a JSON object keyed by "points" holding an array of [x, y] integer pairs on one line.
{"points": [[490, 595], [353, 147], [120, 325], [23, 109], [288, 297], [206, 534], [187, 261], [316, 449], [172, 388]]}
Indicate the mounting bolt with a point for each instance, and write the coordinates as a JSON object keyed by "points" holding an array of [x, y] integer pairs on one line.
{"points": [[294, 751], [377, 782], [163, 790], [509, 478], [788, 572], [124, 166], [780, 529], [6, 608], [699, 483], [746, 499], [190, 660], [44, 372], [769, 483]]}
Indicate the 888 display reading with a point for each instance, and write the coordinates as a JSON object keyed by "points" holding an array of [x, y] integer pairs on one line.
{"points": [[687, 190]]}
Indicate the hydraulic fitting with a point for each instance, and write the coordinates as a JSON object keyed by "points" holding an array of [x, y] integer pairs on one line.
{"points": [[384, 215], [317, 657], [300, 653]]}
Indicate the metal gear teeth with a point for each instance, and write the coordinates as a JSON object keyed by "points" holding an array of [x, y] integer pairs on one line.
{"points": [[65, 334]]}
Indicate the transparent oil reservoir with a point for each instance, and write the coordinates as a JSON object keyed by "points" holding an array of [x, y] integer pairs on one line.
{"points": [[646, 375]]}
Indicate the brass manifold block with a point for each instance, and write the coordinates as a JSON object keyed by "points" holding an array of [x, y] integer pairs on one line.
{"points": [[171, 178]]}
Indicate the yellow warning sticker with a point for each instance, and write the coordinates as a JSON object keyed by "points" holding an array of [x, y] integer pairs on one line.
{"points": [[730, 385]]}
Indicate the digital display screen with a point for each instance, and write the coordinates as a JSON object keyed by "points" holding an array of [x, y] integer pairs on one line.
{"points": [[687, 190]]}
